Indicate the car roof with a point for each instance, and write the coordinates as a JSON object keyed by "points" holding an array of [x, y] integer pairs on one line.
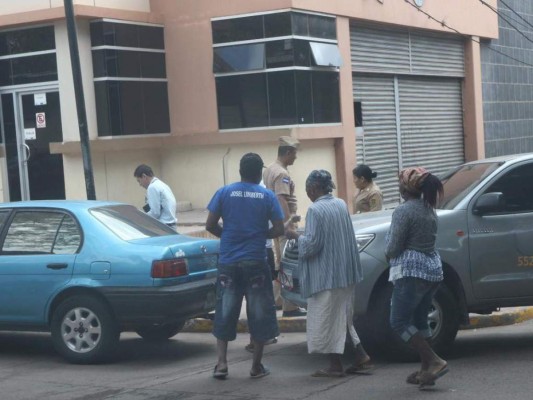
{"points": [[505, 158], [66, 204]]}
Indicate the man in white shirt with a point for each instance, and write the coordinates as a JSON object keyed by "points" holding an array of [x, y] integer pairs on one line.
{"points": [[160, 201]]}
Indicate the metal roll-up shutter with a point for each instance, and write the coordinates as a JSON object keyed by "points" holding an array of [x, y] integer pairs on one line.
{"points": [[379, 141], [437, 55], [379, 50], [431, 116]]}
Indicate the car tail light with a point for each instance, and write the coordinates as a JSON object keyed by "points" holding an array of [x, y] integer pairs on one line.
{"points": [[169, 268]]}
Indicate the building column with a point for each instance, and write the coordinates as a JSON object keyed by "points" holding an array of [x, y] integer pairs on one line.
{"points": [[473, 102]]}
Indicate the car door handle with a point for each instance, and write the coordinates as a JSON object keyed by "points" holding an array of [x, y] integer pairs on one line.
{"points": [[57, 266]]}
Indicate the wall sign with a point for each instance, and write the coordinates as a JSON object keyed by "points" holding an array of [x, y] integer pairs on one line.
{"points": [[29, 134], [40, 120], [39, 99]]}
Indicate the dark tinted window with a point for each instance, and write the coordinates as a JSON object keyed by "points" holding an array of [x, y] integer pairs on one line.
{"points": [[299, 24], [131, 64], [247, 57], [242, 101], [326, 103], [131, 107], [32, 69], [322, 27], [128, 223], [237, 29], [282, 98], [517, 188], [302, 53], [278, 24], [40, 232], [304, 97], [280, 53], [27, 40], [126, 35]]}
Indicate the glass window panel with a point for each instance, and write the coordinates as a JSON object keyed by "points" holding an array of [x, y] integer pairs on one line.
{"points": [[97, 33], [236, 29], [32, 232], [131, 107], [68, 238], [242, 101], [304, 97], [153, 65], [151, 37], [99, 65], [325, 54], [27, 40], [155, 100], [6, 76], [322, 27], [282, 98], [33, 69], [117, 34], [280, 53], [302, 56], [326, 102], [299, 24], [278, 24], [122, 63], [247, 57]]}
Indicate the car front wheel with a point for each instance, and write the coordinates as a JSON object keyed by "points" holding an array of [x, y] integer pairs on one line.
{"points": [[160, 332], [84, 331]]}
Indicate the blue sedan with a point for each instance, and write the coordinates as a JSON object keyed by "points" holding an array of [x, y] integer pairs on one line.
{"points": [[88, 270]]}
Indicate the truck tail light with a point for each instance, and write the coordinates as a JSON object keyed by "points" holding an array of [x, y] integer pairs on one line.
{"points": [[169, 268]]}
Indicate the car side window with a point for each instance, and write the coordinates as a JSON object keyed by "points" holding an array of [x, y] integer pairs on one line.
{"points": [[41, 232], [517, 188]]}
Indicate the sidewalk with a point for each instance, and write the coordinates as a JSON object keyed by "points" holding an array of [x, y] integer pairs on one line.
{"points": [[506, 316], [193, 223]]}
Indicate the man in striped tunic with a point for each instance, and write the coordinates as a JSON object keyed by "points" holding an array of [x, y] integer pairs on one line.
{"points": [[329, 269]]}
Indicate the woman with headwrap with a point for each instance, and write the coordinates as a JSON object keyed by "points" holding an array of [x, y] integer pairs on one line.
{"points": [[416, 268], [329, 268]]}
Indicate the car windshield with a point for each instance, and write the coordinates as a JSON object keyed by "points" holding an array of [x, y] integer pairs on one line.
{"points": [[128, 223], [460, 181]]}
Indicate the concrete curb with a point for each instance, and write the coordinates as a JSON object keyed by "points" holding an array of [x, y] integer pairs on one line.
{"points": [[501, 318]]}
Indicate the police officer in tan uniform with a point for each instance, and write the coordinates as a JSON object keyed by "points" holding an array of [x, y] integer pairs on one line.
{"points": [[276, 178], [369, 196]]}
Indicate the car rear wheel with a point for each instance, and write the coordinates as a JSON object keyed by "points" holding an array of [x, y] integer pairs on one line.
{"points": [[84, 331], [160, 332], [375, 330]]}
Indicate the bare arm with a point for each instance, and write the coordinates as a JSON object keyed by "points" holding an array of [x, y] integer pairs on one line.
{"points": [[212, 225]]}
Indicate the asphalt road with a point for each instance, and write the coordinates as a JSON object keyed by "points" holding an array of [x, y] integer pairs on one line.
{"points": [[486, 364]]}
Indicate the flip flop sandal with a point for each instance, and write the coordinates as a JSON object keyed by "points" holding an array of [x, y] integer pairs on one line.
{"points": [[414, 379], [220, 374], [429, 378], [263, 371], [324, 373], [365, 368]]}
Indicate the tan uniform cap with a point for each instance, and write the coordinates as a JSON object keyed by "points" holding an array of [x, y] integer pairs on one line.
{"points": [[288, 141]]}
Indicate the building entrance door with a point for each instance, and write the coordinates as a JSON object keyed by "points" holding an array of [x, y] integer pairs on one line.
{"points": [[30, 122]]}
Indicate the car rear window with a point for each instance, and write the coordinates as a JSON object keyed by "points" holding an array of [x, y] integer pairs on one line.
{"points": [[128, 223]]}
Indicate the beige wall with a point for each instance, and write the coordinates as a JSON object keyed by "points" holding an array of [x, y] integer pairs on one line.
{"points": [[13, 7]]}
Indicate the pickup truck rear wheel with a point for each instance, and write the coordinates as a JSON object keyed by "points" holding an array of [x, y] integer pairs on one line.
{"points": [[443, 320], [160, 332]]}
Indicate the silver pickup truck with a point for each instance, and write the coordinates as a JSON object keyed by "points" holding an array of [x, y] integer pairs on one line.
{"points": [[485, 239]]}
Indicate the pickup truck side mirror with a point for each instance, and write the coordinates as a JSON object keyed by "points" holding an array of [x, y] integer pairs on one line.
{"points": [[489, 202]]}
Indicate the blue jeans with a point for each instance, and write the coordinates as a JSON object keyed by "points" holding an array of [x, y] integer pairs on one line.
{"points": [[410, 304], [252, 280]]}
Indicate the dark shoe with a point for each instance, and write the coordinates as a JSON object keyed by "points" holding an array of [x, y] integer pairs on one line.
{"points": [[295, 313]]}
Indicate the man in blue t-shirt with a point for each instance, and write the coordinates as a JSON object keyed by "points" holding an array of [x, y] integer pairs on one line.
{"points": [[245, 208]]}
